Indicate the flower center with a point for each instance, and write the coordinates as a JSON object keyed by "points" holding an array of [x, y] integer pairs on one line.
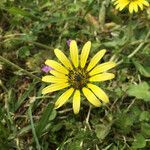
{"points": [[78, 78]]}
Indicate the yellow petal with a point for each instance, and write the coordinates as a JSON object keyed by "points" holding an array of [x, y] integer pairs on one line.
{"points": [[57, 66], [74, 53], [53, 79], [144, 2], [91, 97], [76, 102], [124, 4], [116, 2], [102, 67], [121, 4], [58, 74], [131, 7], [63, 98], [102, 77], [85, 53], [63, 59], [54, 87], [98, 92], [96, 59], [117, 6], [135, 6], [140, 4]]}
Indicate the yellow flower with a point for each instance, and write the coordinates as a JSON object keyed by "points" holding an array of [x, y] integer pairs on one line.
{"points": [[132, 4], [78, 77]]}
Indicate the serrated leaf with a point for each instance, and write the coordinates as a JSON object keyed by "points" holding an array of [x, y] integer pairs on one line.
{"points": [[145, 129], [144, 70], [139, 141], [102, 130], [23, 52], [145, 116], [18, 11], [140, 91], [124, 122]]}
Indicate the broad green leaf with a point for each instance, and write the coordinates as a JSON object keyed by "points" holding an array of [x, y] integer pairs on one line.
{"points": [[124, 122], [139, 142], [145, 129], [19, 11], [102, 130], [140, 91], [145, 116], [144, 70]]}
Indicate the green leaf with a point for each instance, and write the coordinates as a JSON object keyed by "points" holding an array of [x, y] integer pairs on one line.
{"points": [[124, 122], [18, 11], [145, 129], [44, 119], [140, 91], [139, 142], [25, 95], [23, 52], [145, 116], [144, 70], [102, 130]]}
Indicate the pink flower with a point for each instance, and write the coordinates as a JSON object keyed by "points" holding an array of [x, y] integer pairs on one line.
{"points": [[46, 69], [68, 42]]}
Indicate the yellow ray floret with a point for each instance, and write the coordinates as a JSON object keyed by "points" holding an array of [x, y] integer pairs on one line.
{"points": [[58, 74], [63, 59], [98, 92], [102, 77], [121, 4], [133, 7], [76, 102], [91, 97], [63, 98], [57, 66], [53, 79], [74, 53], [54, 87], [102, 67], [96, 59], [85, 53]]}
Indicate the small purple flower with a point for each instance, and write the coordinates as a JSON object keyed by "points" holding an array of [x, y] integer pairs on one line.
{"points": [[68, 42], [46, 69]]}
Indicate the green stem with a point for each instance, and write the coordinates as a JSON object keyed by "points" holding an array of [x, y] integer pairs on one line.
{"points": [[137, 49], [16, 37], [41, 45], [33, 128], [88, 117], [12, 35], [19, 68]]}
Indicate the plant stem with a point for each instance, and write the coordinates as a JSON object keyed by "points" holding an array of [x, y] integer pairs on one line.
{"points": [[87, 123], [33, 128], [17, 37], [137, 49], [88, 117], [19, 68], [41, 45]]}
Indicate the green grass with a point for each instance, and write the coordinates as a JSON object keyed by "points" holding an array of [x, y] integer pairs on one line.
{"points": [[29, 32]]}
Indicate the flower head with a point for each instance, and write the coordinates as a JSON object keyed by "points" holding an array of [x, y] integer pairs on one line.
{"points": [[77, 76], [132, 4]]}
